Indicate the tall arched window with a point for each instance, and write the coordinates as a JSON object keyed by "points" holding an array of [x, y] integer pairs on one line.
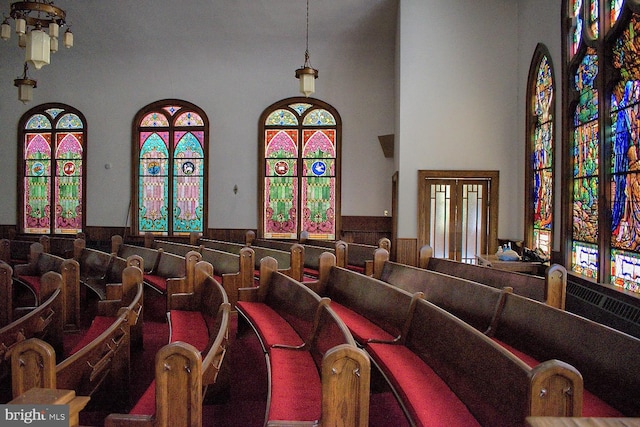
{"points": [[540, 143], [300, 170], [171, 139], [51, 179], [602, 98]]}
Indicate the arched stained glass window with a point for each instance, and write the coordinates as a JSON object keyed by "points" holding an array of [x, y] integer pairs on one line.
{"points": [[51, 179], [604, 149], [171, 146], [541, 129], [300, 166]]}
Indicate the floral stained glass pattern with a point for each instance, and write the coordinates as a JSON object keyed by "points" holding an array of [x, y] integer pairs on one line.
{"points": [[585, 152], [188, 182], [625, 160], [542, 158], [68, 188], [154, 185], [281, 183], [53, 173], [171, 195], [300, 172]]}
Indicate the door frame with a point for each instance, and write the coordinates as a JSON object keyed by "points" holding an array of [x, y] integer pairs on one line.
{"points": [[492, 203]]}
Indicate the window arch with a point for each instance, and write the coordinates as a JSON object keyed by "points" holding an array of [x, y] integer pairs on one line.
{"points": [[602, 89], [171, 144], [300, 170], [51, 179], [540, 157]]}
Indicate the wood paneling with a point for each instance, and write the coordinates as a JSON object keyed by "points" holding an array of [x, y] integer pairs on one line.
{"points": [[407, 251]]}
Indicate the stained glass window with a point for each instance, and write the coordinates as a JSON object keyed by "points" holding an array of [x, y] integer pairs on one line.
{"points": [[53, 147], [171, 145], [300, 165], [605, 148], [542, 97], [575, 33], [625, 160], [586, 156]]}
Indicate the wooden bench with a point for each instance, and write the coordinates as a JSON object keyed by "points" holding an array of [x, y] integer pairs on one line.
{"points": [[100, 358], [445, 372], [290, 262], [199, 327], [14, 251], [232, 271], [603, 355], [309, 352], [481, 306], [360, 256], [44, 321], [551, 289], [311, 253], [98, 268], [372, 309], [41, 262], [149, 257], [62, 246], [170, 273]]}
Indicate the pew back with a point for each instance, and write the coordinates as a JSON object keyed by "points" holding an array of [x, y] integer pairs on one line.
{"points": [[601, 354], [496, 386], [472, 302]]}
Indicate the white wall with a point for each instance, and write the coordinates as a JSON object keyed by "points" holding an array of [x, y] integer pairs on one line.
{"points": [[232, 58], [539, 22], [458, 105]]}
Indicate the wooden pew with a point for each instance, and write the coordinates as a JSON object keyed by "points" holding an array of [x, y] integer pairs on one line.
{"points": [[41, 262], [231, 270], [199, 322], [148, 256], [530, 328], [6, 294], [372, 309], [14, 251], [311, 252], [290, 262], [62, 246], [101, 358], [446, 372], [44, 321], [170, 274], [551, 289], [310, 354], [603, 355], [358, 256], [98, 268]]}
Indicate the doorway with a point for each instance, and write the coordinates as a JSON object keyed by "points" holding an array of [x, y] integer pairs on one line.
{"points": [[458, 213]]}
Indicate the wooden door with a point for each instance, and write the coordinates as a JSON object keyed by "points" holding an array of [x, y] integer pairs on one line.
{"points": [[456, 213]]}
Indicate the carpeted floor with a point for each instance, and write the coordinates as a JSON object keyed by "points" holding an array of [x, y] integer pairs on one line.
{"points": [[239, 398]]}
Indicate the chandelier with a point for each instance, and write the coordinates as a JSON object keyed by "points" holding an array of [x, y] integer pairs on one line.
{"points": [[307, 74], [32, 18], [37, 24]]}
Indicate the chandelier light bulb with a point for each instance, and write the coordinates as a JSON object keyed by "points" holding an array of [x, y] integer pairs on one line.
{"points": [[38, 51], [21, 26], [68, 39], [5, 30]]}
